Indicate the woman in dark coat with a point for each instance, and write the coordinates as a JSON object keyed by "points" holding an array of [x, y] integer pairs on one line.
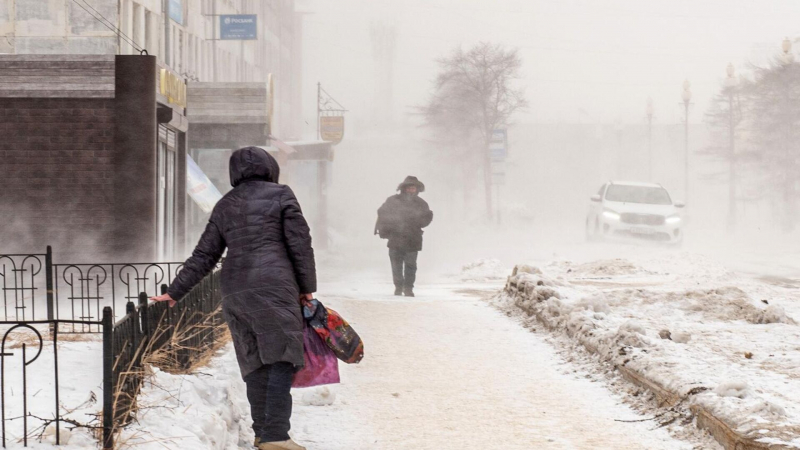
{"points": [[268, 269]]}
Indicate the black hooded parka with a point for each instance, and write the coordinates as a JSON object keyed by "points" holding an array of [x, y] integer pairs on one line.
{"points": [[270, 262]]}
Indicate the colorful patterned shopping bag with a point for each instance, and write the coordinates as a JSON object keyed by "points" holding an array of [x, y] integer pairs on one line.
{"points": [[334, 331]]}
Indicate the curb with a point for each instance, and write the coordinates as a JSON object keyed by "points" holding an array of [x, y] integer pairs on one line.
{"points": [[722, 432]]}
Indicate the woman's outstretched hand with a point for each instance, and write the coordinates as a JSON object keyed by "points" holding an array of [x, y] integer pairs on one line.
{"points": [[164, 298]]}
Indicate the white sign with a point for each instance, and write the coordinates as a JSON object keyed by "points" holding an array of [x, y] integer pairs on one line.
{"points": [[199, 187]]}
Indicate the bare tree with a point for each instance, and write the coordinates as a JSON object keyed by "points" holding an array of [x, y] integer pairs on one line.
{"points": [[773, 99], [472, 96], [724, 118]]}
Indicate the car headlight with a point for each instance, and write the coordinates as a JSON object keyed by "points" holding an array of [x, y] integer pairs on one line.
{"points": [[611, 215], [672, 220]]}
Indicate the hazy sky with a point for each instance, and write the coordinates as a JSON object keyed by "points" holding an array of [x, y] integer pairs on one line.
{"points": [[583, 60]]}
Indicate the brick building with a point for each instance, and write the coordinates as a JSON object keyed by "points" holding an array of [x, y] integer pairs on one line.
{"points": [[90, 157]]}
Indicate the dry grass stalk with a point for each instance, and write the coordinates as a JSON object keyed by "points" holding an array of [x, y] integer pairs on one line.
{"points": [[171, 357]]}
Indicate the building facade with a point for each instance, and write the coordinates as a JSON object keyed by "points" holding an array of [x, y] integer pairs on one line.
{"points": [[96, 107], [184, 35]]}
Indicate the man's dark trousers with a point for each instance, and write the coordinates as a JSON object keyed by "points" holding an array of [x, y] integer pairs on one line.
{"points": [[404, 268], [268, 390]]}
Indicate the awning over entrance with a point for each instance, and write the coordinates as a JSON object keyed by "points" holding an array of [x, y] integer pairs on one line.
{"points": [[303, 151]]}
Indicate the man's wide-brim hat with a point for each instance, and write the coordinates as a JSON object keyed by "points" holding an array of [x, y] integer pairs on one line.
{"points": [[411, 181]]}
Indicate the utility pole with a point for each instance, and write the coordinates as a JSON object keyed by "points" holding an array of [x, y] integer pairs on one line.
{"points": [[319, 111], [649, 112], [687, 101], [730, 84]]}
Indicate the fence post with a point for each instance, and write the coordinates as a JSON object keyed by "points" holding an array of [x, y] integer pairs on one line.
{"points": [[143, 317], [108, 378], [143, 311], [48, 270]]}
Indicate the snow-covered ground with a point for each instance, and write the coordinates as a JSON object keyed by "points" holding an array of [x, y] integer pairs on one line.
{"points": [[446, 370], [81, 393], [442, 371], [687, 322]]}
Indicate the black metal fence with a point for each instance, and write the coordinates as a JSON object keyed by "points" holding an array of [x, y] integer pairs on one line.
{"points": [[155, 333], [29, 357], [26, 281], [148, 333], [33, 287]]}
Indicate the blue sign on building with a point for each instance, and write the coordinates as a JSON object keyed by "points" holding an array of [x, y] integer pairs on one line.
{"points": [[175, 8], [238, 27]]}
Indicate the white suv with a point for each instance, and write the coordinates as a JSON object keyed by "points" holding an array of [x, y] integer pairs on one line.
{"points": [[634, 210]]}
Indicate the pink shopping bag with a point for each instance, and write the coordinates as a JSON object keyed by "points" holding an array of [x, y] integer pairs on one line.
{"points": [[321, 365]]}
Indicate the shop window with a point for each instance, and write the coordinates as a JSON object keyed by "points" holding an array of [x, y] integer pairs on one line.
{"points": [[166, 193]]}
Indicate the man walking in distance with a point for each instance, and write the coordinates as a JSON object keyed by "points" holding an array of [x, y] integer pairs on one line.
{"points": [[401, 220]]}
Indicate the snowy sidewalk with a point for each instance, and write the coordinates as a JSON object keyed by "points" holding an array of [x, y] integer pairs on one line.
{"points": [[442, 371], [446, 371]]}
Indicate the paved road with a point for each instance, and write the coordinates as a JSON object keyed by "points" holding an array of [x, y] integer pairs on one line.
{"points": [[446, 371]]}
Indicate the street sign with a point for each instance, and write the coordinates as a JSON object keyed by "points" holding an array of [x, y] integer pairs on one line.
{"points": [[498, 153], [331, 128], [498, 145], [239, 27]]}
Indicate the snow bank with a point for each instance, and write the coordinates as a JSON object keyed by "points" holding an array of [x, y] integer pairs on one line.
{"points": [[725, 346], [206, 410], [483, 270]]}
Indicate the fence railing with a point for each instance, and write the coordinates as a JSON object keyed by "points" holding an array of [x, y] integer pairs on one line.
{"points": [[82, 290], [34, 287], [155, 333], [28, 357], [148, 333], [25, 283]]}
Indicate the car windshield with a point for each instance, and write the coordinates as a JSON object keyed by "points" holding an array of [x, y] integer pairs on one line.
{"points": [[638, 194]]}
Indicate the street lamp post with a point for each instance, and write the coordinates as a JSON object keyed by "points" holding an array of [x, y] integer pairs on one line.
{"points": [[649, 112], [786, 46], [730, 86], [618, 129], [788, 169], [686, 95]]}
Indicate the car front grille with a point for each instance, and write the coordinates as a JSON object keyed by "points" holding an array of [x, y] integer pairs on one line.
{"points": [[642, 219]]}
